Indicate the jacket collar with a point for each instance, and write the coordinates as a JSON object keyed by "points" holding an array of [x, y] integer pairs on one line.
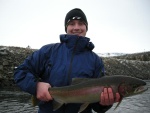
{"points": [[78, 43]]}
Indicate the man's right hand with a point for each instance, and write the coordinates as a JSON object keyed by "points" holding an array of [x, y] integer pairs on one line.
{"points": [[42, 91]]}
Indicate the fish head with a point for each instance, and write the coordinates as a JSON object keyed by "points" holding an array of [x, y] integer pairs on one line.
{"points": [[131, 86]]}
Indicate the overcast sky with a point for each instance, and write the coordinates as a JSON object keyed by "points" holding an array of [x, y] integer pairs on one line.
{"points": [[114, 25]]}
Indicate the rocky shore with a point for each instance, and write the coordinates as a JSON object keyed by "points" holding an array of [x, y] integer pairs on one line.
{"points": [[136, 65]]}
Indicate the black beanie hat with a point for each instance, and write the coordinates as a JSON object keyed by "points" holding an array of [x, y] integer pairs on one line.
{"points": [[75, 14]]}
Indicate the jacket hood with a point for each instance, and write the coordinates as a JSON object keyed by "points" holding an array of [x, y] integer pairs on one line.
{"points": [[78, 43]]}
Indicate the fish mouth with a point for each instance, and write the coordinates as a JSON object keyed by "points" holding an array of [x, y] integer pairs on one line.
{"points": [[140, 89]]}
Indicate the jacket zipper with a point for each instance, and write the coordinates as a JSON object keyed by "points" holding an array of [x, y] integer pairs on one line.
{"points": [[70, 66]]}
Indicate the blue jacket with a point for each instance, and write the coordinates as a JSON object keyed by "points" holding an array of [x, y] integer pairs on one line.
{"points": [[57, 64]]}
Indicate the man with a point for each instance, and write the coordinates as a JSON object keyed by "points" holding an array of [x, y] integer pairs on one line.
{"points": [[56, 64]]}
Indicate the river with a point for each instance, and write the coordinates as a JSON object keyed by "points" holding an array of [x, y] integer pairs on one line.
{"points": [[12, 101]]}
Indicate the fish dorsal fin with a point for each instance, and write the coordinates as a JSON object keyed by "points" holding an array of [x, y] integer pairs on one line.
{"points": [[56, 105], [83, 107], [79, 80]]}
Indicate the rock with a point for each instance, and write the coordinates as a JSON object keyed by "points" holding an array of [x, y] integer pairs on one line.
{"points": [[1, 77], [1, 67], [5, 63], [136, 65], [4, 51]]}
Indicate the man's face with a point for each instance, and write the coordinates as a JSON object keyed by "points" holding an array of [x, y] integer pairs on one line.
{"points": [[76, 27]]}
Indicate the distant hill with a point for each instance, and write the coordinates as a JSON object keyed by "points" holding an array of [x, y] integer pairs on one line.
{"points": [[143, 56], [137, 65], [110, 54]]}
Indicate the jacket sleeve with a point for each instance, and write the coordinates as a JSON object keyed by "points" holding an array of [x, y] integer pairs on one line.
{"points": [[99, 72], [26, 75]]}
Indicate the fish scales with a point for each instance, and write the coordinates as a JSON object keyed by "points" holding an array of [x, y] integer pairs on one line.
{"points": [[80, 95]]}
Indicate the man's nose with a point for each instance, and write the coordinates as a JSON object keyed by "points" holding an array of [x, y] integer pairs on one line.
{"points": [[76, 27]]}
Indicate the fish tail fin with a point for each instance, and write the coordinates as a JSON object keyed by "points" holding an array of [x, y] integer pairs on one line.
{"points": [[34, 101]]}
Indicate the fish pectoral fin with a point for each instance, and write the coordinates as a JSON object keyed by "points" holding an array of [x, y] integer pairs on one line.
{"points": [[56, 105], [83, 107], [118, 104]]}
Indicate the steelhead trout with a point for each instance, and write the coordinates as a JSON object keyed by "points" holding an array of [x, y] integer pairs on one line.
{"points": [[88, 90]]}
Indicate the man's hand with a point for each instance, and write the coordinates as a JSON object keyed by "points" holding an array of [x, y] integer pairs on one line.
{"points": [[42, 91], [107, 97]]}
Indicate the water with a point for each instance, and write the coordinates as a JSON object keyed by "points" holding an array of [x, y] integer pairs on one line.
{"points": [[12, 101]]}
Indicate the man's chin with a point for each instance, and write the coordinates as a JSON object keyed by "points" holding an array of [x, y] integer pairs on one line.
{"points": [[79, 35]]}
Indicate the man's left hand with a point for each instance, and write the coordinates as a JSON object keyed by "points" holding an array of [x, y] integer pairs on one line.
{"points": [[107, 97]]}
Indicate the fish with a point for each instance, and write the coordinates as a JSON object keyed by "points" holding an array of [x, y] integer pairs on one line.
{"points": [[88, 90]]}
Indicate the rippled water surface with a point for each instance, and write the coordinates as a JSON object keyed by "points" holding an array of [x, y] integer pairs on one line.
{"points": [[19, 102]]}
